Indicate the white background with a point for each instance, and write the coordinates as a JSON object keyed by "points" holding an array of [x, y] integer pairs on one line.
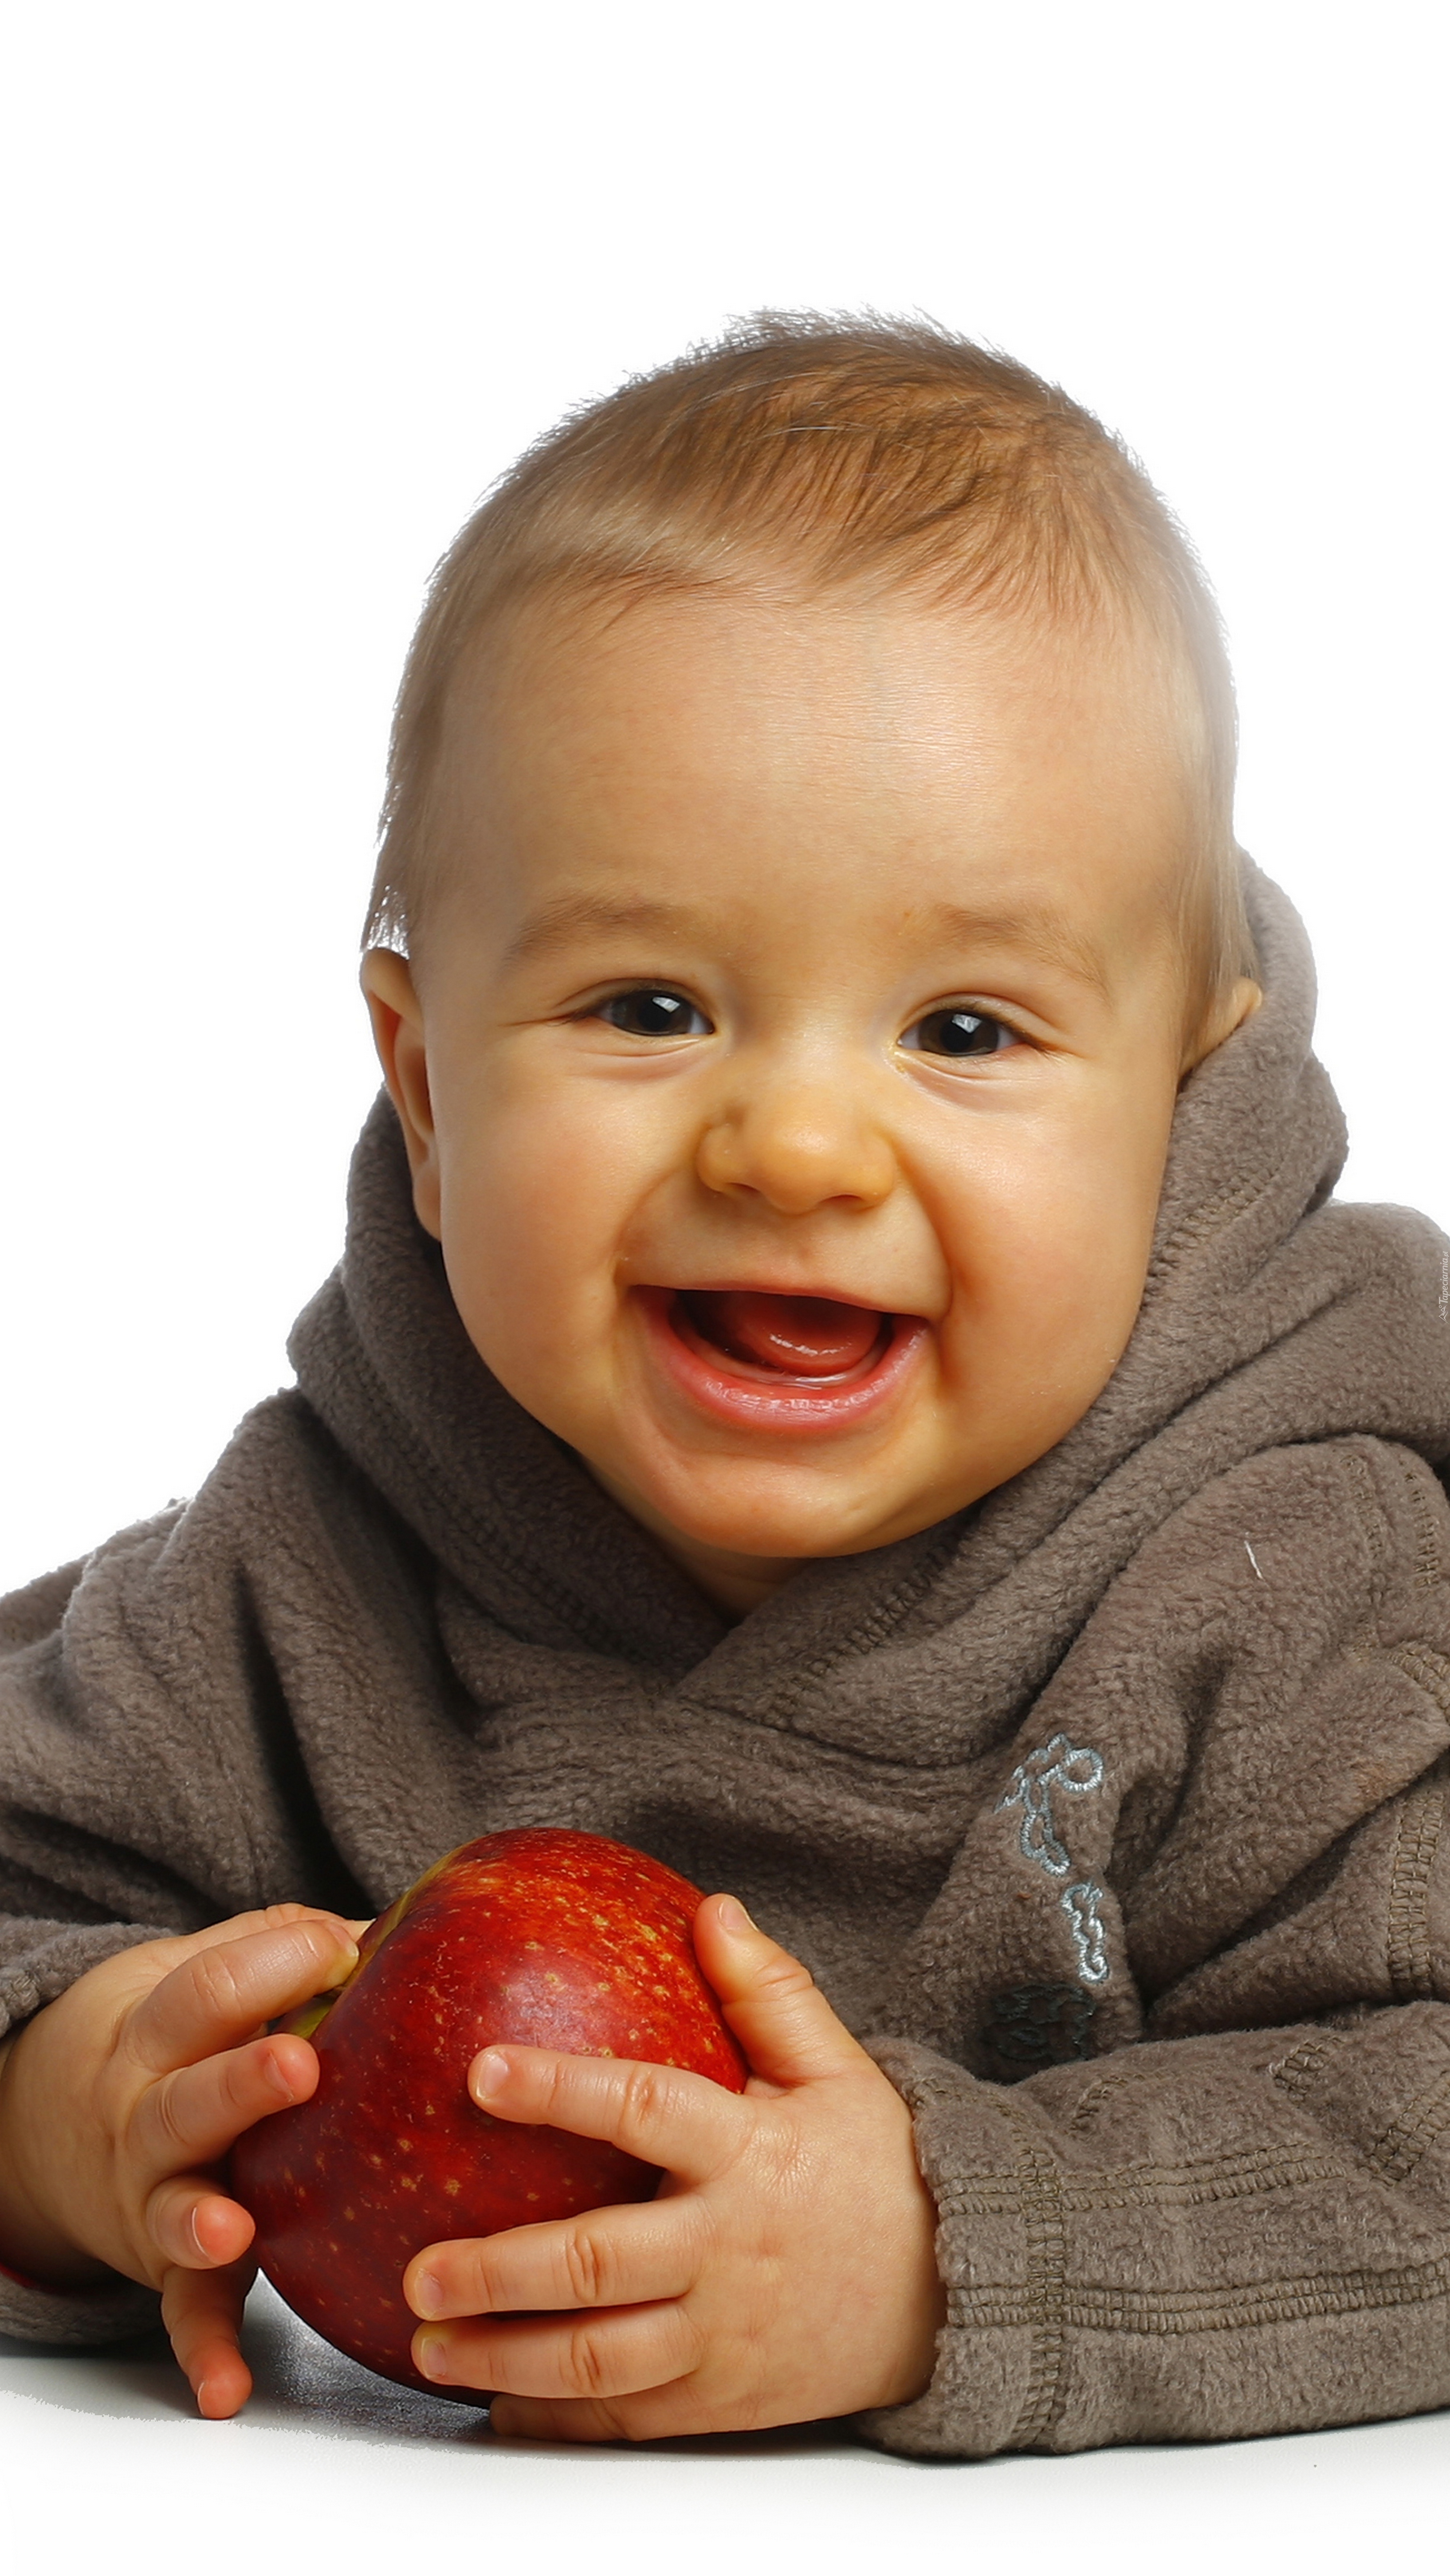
{"points": [[290, 284], [293, 282]]}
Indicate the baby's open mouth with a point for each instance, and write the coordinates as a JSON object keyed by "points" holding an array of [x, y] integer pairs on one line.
{"points": [[812, 1341], [792, 1367]]}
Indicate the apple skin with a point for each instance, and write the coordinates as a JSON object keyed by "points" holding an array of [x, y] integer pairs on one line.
{"points": [[559, 1939]]}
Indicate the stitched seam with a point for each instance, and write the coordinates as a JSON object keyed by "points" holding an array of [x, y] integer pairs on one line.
{"points": [[1427, 1576], [1403, 2141], [1097, 2094], [1407, 1943], [1242, 2178], [1197, 1224], [1373, 1520], [1297, 2073], [1189, 2169], [1040, 2201], [1420, 1663], [1215, 2311]]}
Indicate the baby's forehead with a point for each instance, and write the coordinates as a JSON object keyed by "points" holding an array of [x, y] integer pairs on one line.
{"points": [[818, 854], [736, 672], [716, 774]]}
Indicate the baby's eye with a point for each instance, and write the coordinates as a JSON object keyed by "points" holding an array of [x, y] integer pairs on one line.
{"points": [[648, 1013], [957, 1032]]}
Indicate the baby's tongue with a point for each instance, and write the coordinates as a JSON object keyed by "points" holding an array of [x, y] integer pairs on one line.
{"points": [[806, 1336]]}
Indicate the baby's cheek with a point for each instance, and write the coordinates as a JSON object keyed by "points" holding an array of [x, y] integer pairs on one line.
{"points": [[534, 1287], [1047, 1286]]}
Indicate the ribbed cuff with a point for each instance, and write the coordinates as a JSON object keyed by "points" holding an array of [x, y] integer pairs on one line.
{"points": [[998, 2367]]}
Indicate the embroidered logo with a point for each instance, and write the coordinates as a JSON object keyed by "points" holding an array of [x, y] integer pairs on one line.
{"points": [[1058, 1764], [1072, 1770], [1080, 1905]]}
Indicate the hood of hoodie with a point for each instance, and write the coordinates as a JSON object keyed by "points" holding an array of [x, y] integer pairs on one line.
{"points": [[1271, 1315]]}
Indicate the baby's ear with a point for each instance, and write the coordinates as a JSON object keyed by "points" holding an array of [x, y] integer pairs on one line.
{"points": [[397, 1017], [1228, 1013]]}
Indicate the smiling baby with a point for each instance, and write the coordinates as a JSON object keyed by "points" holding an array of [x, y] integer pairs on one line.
{"points": [[846, 1374]]}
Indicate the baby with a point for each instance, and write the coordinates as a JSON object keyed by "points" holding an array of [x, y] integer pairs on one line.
{"points": [[843, 1375]]}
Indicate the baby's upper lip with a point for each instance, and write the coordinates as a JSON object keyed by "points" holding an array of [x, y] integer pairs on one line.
{"points": [[713, 1284]]}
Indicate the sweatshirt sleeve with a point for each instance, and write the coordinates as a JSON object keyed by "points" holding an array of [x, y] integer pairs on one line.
{"points": [[1197, 2239], [147, 1775], [76, 1881], [152, 1777], [1234, 2218]]}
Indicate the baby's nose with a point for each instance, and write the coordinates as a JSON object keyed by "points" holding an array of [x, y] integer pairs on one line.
{"points": [[798, 1149]]}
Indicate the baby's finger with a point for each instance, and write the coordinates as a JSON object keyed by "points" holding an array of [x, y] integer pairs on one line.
{"points": [[202, 2313], [608, 2353], [774, 2006], [221, 1995], [658, 2113], [192, 2226], [194, 2115], [177, 1947], [261, 1918], [605, 2258]]}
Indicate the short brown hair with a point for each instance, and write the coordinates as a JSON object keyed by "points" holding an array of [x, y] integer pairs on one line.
{"points": [[850, 451]]}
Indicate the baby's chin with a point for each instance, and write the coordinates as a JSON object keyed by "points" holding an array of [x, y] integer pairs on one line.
{"points": [[770, 1516]]}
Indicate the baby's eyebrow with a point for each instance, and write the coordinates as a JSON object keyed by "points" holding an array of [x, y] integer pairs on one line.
{"points": [[570, 916], [1038, 930]]}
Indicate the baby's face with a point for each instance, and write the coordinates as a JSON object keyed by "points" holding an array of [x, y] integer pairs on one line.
{"points": [[790, 1057]]}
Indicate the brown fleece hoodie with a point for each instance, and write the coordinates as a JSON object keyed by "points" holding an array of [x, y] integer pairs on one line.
{"points": [[1110, 1811]]}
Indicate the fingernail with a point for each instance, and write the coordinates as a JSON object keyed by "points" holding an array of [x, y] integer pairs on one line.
{"points": [[733, 1916], [278, 2078], [431, 2355], [426, 2299], [488, 2075]]}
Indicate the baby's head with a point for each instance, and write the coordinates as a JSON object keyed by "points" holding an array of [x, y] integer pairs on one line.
{"points": [[808, 874]]}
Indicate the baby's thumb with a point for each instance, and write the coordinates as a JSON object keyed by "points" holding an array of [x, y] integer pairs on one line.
{"points": [[779, 2015]]}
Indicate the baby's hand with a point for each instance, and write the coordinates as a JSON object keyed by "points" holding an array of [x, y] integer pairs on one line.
{"points": [[119, 2100], [784, 2271]]}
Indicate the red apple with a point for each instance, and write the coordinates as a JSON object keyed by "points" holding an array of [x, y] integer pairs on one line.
{"points": [[559, 1939]]}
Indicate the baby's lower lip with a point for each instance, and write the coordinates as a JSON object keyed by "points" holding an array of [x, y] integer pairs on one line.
{"points": [[767, 1399]]}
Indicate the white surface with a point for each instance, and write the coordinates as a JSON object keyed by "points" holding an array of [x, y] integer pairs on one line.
{"points": [[103, 2468], [292, 280]]}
